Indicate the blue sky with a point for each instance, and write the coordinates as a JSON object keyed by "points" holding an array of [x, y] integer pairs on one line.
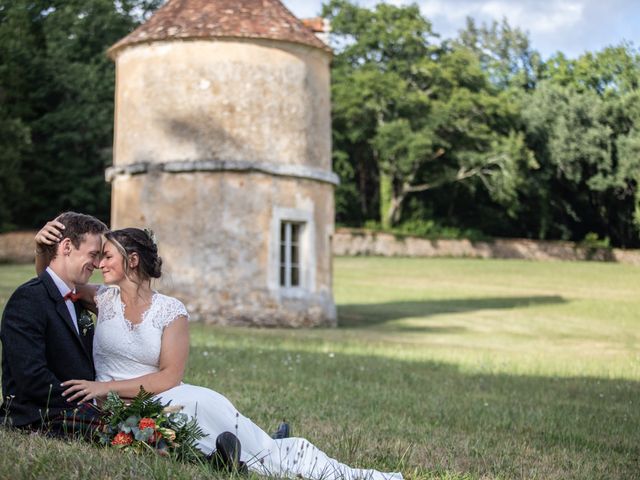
{"points": [[570, 26]]}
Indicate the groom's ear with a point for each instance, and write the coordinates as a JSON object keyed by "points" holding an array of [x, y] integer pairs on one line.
{"points": [[65, 246]]}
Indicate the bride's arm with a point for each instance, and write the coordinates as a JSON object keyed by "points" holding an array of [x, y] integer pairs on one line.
{"points": [[50, 234], [174, 352]]}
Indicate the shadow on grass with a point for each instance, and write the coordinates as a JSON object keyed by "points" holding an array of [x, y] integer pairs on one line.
{"points": [[447, 423], [428, 419], [367, 314]]}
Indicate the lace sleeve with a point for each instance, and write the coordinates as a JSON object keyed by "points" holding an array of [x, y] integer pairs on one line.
{"points": [[104, 297], [169, 309]]}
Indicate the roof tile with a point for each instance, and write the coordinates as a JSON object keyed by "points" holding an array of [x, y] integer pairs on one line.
{"points": [[188, 19]]}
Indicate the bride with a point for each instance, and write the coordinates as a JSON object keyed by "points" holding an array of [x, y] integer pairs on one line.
{"points": [[142, 339]]}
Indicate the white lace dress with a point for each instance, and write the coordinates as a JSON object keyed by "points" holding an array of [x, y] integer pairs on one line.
{"points": [[123, 350]]}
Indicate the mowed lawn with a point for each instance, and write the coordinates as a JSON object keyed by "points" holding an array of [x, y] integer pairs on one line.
{"points": [[442, 368]]}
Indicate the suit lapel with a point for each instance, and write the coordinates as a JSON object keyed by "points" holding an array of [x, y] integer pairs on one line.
{"points": [[63, 311]]}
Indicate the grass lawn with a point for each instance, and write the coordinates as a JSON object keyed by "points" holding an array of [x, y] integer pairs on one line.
{"points": [[443, 368]]}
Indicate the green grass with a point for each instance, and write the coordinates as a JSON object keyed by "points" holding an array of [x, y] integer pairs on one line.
{"points": [[444, 368]]}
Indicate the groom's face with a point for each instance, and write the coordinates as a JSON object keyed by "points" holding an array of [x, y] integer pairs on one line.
{"points": [[84, 259]]}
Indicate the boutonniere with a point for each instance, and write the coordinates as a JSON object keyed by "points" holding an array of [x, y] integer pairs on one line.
{"points": [[86, 321]]}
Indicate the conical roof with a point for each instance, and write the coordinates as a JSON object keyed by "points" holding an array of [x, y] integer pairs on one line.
{"points": [[189, 19]]}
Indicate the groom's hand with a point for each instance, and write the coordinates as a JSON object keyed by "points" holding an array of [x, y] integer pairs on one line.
{"points": [[84, 390]]}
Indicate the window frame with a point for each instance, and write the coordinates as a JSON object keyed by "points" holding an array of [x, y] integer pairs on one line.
{"points": [[306, 252]]}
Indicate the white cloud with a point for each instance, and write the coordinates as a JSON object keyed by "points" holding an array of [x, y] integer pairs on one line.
{"points": [[571, 26], [527, 15]]}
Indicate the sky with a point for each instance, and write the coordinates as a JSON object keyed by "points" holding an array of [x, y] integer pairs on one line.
{"points": [[569, 26]]}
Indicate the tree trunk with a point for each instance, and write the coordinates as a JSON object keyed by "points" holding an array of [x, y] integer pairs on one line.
{"points": [[395, 209], [386, 199]]}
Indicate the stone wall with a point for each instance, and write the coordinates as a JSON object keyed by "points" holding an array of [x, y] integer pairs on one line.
{"points": [[17, 247], [364, 242], [229, 100], [218, 235]]}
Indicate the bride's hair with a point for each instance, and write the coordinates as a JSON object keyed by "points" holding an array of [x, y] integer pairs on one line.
{"points": [[141, 242]]}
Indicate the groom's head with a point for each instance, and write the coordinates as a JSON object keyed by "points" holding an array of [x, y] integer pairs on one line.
{"points": [[77, 253]]}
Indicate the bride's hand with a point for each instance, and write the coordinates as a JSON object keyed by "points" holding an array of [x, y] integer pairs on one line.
{"points": [[84, 390], [50, 234]]}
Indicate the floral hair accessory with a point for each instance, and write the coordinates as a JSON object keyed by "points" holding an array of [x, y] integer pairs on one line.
{"points": [[151, 236]]}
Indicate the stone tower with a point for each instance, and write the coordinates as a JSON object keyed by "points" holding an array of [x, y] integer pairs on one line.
{"points": [[222, 146]]}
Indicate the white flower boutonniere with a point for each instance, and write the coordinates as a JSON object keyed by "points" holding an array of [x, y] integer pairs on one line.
{"points": [[86, 322]]}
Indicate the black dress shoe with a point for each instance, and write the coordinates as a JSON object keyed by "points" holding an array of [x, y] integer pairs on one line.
{"points": [[284, 431], [227, 453]]}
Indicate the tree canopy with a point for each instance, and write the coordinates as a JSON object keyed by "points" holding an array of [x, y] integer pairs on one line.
{"points": [[475, 134], [478, 132], [56, 115]]}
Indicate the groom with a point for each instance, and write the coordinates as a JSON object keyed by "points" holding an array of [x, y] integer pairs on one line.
{"points": [[42, 344]]}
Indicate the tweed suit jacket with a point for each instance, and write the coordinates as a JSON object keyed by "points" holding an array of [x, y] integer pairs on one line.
{"points": [[40, 349]]}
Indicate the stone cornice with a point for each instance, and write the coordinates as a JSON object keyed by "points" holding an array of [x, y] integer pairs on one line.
{"points": [[187, 166]]}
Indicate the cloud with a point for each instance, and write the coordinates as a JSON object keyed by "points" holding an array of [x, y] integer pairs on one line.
{"points": [[571, 26], [528, 15]]}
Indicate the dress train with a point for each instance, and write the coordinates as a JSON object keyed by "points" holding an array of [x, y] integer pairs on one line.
{"points": [[288, 457]]}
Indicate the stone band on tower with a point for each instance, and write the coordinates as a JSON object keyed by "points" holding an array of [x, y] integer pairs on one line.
{"points": [[222, 145]]}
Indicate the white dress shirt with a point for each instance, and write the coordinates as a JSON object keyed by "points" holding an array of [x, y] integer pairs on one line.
{"points": [[64, 289]]}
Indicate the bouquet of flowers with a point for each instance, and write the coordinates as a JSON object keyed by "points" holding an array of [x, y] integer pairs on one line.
{"points": [[146, 424]]}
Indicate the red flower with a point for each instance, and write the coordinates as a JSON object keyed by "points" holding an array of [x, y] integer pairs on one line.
{"points": [[147, 423], [155, 436], [122, 439]]}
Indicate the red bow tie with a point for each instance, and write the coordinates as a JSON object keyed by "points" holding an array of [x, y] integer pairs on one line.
{"points": [[74, 297]]}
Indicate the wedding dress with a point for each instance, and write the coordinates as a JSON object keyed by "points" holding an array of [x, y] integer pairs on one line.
{"points": [[123, 350]]}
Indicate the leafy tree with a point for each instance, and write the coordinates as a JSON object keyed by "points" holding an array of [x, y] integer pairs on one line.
{"points": [[416, 114], [504, 52], [57, 92], [582, 123]]}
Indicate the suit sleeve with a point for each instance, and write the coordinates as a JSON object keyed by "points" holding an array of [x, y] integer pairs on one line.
{"points": [[24, 328]]}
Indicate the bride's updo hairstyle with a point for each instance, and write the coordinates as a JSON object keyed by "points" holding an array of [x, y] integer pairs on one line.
{"points": [[142, 243]]}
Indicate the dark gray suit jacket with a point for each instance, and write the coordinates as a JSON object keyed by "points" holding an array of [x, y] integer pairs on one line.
{"points": [[40, 349]]}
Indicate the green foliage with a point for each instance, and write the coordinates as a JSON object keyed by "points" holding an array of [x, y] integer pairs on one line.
{"points": [[427, 229], [582, 122], [413, 115], [172, 433], [504, 52], [591, 240], [14, 144], [480, 131], [476, 132], [57, 87]]}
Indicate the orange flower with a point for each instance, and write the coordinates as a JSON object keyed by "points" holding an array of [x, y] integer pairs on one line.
{"points": [[146, 423], [122, 439]]}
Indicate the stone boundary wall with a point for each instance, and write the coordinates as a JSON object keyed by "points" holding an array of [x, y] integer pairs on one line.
{"points": [[17, 247], [348, 241]]}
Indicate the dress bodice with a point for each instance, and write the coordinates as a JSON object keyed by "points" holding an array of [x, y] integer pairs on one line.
{"points": [[122, 350]]}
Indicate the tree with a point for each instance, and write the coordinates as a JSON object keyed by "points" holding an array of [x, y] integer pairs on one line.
{"points": [[582, 121], [57, 92], [504, 52], [416, 114]]}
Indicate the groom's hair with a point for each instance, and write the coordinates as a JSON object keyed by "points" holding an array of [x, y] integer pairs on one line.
{"points": [[76, 226]]}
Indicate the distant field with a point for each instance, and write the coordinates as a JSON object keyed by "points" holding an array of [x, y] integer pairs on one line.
{"points": [[443, 368]]}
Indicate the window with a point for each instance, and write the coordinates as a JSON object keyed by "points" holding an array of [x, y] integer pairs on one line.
{"points": [[290, 235], [292, 253]]}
